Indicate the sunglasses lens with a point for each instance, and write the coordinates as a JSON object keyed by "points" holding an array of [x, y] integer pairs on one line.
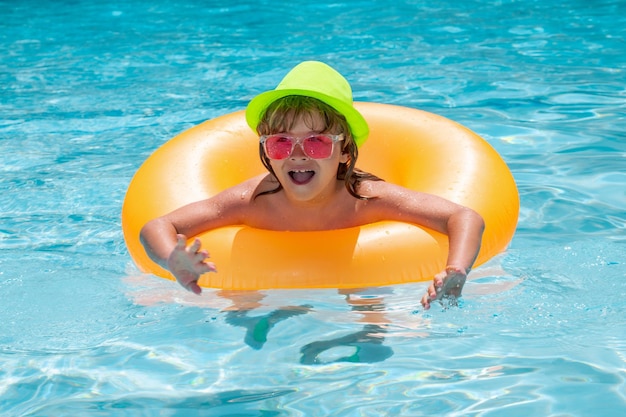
{"points": [[278, 147], [318, 146]]}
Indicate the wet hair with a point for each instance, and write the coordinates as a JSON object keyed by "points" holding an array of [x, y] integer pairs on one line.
{"points": [[284, 113]]}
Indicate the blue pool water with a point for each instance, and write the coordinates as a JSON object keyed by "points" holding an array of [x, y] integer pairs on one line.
{"points": [[90, 88]]}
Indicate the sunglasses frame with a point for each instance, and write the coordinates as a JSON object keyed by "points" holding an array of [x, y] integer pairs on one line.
{"points": [[300, 141]]}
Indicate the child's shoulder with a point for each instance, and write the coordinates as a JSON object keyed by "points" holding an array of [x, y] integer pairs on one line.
{"points": [[247, 189], [372, 188]]}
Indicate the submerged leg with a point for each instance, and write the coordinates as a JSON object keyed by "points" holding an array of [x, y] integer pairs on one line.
{"points": [[258, 327], [368, 346]]}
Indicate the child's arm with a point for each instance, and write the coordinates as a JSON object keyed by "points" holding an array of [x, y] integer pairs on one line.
{"points": [[168, 248], [164, 238], [465, 228]]}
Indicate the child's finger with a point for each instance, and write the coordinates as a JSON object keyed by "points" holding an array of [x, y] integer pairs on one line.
{"points": [[194, 287], [200, 255], [195, 246], [181, 241], [208, 267]]}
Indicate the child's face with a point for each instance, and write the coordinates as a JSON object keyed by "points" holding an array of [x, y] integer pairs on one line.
{"points": [[303, 178]]}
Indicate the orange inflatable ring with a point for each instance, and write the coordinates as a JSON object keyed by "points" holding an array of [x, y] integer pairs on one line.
{"points": [[413, 148]]}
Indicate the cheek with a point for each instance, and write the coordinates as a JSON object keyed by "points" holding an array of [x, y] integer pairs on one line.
{"points": [[276, 165], [331, 167]]}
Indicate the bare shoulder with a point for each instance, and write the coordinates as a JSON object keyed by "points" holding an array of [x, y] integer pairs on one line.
{"points": [[383, 201], [231, 206], [244, 193], [383, 190], [389, 201]]}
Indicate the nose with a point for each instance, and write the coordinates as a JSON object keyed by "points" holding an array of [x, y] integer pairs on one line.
{"points": [[298, 151]]}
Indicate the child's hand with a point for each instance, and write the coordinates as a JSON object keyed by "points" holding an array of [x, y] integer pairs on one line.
{"points": [[446, 284], [188, 263]]}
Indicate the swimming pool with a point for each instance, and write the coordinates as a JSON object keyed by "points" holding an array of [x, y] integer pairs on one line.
{"points": [[90, 89]]}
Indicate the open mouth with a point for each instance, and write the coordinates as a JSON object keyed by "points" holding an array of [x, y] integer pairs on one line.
{"points": [[301, 177]]}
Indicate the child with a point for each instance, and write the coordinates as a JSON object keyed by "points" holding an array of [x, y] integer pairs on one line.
{"points": [[309, 138]]}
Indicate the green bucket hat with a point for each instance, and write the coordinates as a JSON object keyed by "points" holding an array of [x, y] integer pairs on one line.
{"points": [[318, 80]]}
